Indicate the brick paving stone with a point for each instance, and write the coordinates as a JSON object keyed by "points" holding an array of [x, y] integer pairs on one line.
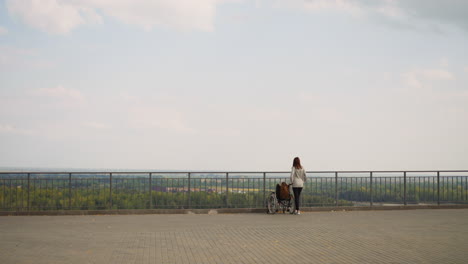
{"points": [[407, 236]]}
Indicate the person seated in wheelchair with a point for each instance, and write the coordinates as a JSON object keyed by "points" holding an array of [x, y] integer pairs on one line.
{"points": [[282, 191]]}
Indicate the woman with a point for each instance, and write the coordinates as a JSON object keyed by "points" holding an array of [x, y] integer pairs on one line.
{"points": [[298, 177]]}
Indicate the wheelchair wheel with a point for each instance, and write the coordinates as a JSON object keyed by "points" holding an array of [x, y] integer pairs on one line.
{"points": [[272, 203]]}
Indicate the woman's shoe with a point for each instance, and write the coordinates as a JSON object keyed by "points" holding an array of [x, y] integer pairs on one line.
{"points": [[298, 212]]}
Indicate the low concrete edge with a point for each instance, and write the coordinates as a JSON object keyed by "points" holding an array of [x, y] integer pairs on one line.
{"points": [[225, 210]]}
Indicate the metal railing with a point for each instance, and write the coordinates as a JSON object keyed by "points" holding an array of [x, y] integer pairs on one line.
{"points": [[34, 191]]}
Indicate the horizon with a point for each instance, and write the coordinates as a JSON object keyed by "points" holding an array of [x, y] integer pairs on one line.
{"points": [[5, 169]]}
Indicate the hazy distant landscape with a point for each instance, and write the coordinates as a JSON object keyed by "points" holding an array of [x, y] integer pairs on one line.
{"points": [[89, 191]]}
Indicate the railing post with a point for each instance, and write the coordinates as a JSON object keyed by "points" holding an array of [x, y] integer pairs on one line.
{"points": [[110, 190], [438, 188], [29, 186], [336, 188], [150, 192], [189, 191], [227, 189], [264, 184], [69, 191], [371, 194], [404, 188]]}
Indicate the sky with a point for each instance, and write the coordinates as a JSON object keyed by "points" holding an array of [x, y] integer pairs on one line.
{"points": [[234, 84]]}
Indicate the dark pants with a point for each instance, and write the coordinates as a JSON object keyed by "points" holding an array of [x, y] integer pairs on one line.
{"points": [[297, 195]]}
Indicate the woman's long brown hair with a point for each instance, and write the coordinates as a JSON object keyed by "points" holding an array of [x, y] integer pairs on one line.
{"points": [[297, 163]]}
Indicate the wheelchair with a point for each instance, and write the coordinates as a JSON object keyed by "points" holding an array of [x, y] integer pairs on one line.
{"points": [[276, 204]]}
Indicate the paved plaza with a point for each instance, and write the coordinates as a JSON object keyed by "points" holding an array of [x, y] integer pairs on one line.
{"points": [[407, 236]]}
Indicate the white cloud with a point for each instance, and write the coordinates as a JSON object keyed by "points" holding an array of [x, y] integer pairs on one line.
{"points": [[309, 97], [436, 74], [54, 16], [60, 97], [337, 5], [6, 128], [387, 76], [5, 49], [61, 92], [96, 125], [165, 118], [444, 62], [410, 14], [412, 80], [3, 30], [416, 78], [351, 7], [10, 129], [12, 58], [390, 8], [441, 12], [62, 16]]}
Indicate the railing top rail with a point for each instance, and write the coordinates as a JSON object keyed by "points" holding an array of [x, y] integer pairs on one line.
{"points": [[215, 172]]}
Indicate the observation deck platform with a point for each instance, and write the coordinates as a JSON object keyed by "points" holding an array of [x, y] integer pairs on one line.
{"points": [[394, 236]]}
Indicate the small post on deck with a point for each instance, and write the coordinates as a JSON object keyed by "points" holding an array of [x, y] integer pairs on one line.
{"points": [[404, 188], [189, 201], [227, 189], [29, 186], [371, 194], [150, 192], [336, 188], [110, 190], [438, 188], [69, 191], [264, 184]]}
